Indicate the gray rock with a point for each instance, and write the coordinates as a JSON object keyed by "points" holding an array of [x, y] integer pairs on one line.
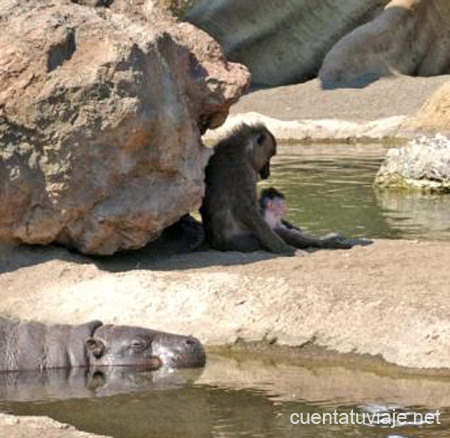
{"points": [[422, 164], [407, 37], [281, 42]]}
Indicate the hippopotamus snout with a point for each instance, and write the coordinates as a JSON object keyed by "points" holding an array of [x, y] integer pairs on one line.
{"points": [[115, 345], [176, 351]]}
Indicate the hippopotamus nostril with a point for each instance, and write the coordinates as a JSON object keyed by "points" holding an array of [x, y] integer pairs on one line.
{"points": [[190, 342]]}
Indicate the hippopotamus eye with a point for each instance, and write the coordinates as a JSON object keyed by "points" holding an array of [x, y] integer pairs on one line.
{"points": [[137, 344]]}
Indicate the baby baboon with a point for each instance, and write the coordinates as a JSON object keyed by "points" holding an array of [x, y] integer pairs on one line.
{"points": [[230, 212], [273, 208], [187, 234]]}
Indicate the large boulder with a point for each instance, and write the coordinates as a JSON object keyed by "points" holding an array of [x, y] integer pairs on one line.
{"points": [[423, 164], [281, 41], [101, 116], [410, 37], [345, 42]]}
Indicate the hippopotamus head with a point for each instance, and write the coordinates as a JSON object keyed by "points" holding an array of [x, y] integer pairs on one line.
{"points": [[118, 345]]}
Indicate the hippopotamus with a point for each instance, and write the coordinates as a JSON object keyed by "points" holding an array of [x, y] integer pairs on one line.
{"points": [[37, 346]]}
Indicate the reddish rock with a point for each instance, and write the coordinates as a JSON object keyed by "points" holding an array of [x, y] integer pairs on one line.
{"points": [[101, 113]]}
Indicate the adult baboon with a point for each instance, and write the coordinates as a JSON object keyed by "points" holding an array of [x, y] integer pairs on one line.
{"points": [[273, 208], [230, 212]]}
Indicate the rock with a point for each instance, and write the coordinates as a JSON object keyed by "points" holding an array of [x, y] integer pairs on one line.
{"points": [[349, 42], [178, 7], [434, 115], [410, 37], [422, 164], [281, 42], [315, 131], [101, 112], [38, 427]]}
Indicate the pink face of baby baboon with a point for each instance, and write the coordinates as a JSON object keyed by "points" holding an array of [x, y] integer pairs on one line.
{"points": [[274, 212]]}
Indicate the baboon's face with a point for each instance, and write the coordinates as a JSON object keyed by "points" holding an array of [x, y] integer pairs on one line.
{"points": [[277, 207], [262, 149]]}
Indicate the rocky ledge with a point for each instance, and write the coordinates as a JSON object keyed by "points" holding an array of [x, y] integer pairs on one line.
{"points": [[389, 300]]}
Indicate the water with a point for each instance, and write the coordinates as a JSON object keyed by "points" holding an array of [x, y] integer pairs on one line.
{"points": [[330, 188], [230, 398]]}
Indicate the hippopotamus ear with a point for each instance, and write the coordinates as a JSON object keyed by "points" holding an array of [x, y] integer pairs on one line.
{"points": [[95, 346]]}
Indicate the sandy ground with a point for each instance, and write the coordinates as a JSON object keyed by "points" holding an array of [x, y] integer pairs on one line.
{"points": [[379, 112], [387, 97], [389, 299]]}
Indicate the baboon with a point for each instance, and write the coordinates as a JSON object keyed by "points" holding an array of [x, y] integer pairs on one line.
{"points": [[273, 208], [187, 234], [230, 212]]}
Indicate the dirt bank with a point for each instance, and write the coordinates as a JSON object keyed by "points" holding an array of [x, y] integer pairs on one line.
{"points": [[389, 299], [387, 97], [306, 112]]}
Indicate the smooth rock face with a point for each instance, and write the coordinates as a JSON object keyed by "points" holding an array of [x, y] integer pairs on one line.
{"points": [[422, 164], [350, 42], [281, 42], [410, 37], [101, 112]]}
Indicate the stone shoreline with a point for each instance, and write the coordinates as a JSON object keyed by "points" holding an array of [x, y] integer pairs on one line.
{"points": [[388, 130]]}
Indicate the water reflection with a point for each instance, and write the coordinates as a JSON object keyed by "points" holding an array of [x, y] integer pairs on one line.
{"points": [[416, 214], [330, 188], [234, 398], [29, 386]]}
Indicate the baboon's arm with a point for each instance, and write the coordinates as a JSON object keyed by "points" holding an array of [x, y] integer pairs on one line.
{"points": [[299, 239], [289, 225], [252, 218]]}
